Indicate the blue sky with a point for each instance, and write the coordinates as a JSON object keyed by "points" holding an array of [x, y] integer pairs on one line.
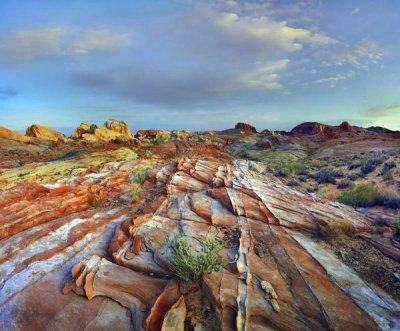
{"points": [[199, 64]]}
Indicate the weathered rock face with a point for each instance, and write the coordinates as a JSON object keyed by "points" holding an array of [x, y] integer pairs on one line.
{"points": [[245, 127], [308, 129], [13, 135], [82, 235], [45, 133], [84, 128], [112, 130]]}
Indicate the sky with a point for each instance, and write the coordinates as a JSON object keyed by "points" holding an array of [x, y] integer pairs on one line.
{"points": [[199, 65]]}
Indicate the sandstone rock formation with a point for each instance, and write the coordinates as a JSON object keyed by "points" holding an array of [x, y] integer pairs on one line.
{"points": [[245, 127], [45, 133], [81, 235], [111, 130], [148, 133], [13, 135], [308, 129]]}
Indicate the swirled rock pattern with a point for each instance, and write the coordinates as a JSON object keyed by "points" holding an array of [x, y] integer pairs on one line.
{"points": [[103, 263]]}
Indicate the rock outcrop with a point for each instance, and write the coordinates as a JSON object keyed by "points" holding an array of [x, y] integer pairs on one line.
{"points": [[111, 130], [13, 135], [308, 129], [81, 234], [245, 127], [45, 133], [149, 134]]}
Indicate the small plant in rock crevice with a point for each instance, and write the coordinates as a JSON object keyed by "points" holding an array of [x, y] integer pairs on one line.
{"points": [[336, 229], [192, 266], [136, 192]]}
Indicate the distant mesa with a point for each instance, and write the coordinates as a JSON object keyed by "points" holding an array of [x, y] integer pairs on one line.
{"points": [[245, 127], [45, 133], [111, 130]]}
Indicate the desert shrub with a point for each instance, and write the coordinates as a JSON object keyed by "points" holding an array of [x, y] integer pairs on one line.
{"points": [[389, 199], [363, 195], [302, 178], [338, 173], [292, 183], [288, 168], [336, 229], [389, 166], [312, 189], [136, 192], [354, 176], [301, 170], [325, 175], [368, 165], [191, 266], [387, 175], [345, 183], [354, 165]]}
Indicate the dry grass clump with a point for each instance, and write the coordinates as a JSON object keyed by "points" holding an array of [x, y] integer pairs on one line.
{"points": [[337, 229]]}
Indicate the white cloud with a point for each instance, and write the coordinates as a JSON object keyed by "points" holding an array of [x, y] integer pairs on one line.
{"points": [[277, 34], [332, 80], [98, 39], [355, 11], [359, 56], [264, 76], [28, 45]]}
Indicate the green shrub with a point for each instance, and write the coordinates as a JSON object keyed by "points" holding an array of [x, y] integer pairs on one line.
{"points": [[288, 168], [363, 195], [191, 266]]}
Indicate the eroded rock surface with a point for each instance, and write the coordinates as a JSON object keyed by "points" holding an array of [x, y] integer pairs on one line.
{"points": [[84, 238], [45, 133]]}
